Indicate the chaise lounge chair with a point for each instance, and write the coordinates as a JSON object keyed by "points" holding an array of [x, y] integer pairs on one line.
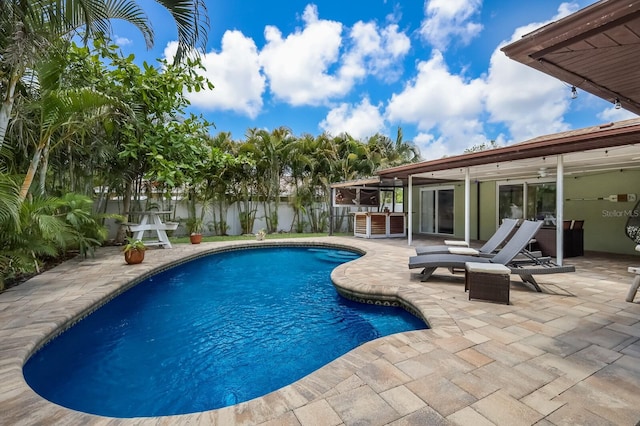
{"points": [[492, 244], [513, 255]]}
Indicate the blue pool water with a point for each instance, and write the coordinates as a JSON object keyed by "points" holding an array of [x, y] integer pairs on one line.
{"points": [[210, 333]]}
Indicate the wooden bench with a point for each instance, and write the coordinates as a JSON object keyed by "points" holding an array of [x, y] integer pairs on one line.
{"points": [[487, 281]]}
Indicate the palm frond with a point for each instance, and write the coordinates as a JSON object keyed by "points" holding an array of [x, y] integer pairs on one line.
{"points": [[192, 20]]}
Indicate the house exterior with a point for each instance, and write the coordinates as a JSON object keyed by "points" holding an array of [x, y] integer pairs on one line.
{"points": [[590, 174]]}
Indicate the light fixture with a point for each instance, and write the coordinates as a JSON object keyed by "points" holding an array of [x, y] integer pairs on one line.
{"points": [[574, 92], [542, 172], [616, 104]]}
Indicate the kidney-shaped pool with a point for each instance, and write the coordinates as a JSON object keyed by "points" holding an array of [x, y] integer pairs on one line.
{"points": [[209, 333]]}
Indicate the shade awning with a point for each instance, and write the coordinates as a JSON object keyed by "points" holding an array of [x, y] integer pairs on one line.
{"points": [[595, 49]]}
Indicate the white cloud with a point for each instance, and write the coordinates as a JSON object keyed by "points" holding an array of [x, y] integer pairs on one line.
{"points": [[430, 147], [316, 63], [612, 114], [438, 102], [235, 73], [122, 41], [529, 102], [376, 51], [297, 66], [454, 136], [449, 19], [449, 110], [360, 121]]}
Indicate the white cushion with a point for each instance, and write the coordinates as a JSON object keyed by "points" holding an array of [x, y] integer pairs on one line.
{"points": [[464, 250], [456, 243], [634, 270], [487, 268]]}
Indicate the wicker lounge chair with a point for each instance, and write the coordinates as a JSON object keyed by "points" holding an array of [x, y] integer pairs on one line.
{"points": [[492, 244], [512, 255]]}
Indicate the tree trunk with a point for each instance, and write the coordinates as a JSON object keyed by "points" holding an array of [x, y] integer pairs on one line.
{"points": [[33, 168], [7, 105], [126, 205], [43, 168]]}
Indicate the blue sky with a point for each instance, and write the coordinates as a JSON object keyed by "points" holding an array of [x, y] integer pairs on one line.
{"points": [[433, 68]]}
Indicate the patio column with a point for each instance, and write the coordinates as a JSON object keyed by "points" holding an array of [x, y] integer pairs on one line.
{"points": [[410, 209], [467, 206], [560, 210]]}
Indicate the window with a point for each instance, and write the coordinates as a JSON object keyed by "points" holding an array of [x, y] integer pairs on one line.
{"points": [[540, 200], [510, 201], [391, 200]]}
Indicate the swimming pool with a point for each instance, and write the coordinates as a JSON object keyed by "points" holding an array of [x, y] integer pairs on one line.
{"points": [[210, 333]]}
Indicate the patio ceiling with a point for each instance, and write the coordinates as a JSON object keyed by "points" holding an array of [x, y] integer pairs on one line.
{"points": [[595, 49]]}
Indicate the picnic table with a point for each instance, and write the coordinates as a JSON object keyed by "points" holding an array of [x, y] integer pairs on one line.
{"points": [[152, 221]]}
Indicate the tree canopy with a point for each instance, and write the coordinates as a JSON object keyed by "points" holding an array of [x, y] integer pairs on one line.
{"points": [[81, 124]]}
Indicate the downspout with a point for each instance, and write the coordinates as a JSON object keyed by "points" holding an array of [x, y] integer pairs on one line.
{"points": [[409, 215], [331, 211], [560, 211], [477, 210], [467, 206]]}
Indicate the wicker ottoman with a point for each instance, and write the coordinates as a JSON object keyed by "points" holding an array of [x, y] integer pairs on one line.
{"points": [[487, 281]]}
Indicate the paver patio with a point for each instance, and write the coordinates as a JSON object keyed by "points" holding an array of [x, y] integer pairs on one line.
{"points": [[567, 356]]}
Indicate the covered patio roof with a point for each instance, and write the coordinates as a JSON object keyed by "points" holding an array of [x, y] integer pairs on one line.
{"points": [[595, 49], [611, 146]]}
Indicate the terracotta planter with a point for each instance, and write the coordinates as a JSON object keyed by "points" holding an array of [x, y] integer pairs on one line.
{"points": [[134, 256], [195, 238]]}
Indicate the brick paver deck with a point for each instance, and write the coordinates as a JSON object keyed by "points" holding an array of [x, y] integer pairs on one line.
{"points": [[567, 356]]}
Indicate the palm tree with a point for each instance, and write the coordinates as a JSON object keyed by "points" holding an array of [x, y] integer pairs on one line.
{"points": [[243, 187], [29, 28], [61, 111], [402, 152], [386, 153], [219, 178], [268, 150], [299, 165]]}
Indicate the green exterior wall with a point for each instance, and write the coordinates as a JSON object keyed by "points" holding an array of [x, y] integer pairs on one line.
{"points": [[488, 210], [605, 220]]}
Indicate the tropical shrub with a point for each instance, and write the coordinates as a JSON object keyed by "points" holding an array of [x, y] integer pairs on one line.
{"points": [[44, 229]]}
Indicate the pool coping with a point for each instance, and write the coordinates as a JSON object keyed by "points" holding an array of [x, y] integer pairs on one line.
{"points": [[31, 408], [548, 353]]}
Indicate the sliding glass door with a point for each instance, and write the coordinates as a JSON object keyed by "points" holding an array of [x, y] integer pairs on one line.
{"points": [[436, 210]]}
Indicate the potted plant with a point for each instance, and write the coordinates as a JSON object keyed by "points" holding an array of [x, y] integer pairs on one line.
{"points": [[134, 251], [261, 234], [194, 228]]}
